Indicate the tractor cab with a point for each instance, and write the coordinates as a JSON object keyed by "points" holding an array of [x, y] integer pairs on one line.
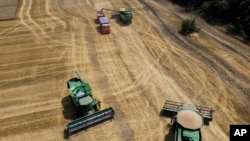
{"points": [[105, 28], [104, 25]]}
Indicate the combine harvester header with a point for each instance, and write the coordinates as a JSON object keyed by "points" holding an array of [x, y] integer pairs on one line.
{"points": [[87, 107], [173, 108], [86, 121], [188, 119]]}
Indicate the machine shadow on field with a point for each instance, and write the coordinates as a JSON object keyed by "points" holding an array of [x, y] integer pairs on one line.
{"points": [[170, 135], [117, 20], [166, 114], [120, 23], [96, 21], [69, 111], [98, 29]]}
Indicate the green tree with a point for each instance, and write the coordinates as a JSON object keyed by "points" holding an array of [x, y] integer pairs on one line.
{"points": [[189, 26], [235, 14]]}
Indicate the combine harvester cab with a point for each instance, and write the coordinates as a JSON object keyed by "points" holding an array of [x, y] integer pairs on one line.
{"points": [[125, 15], [87, 108], [188, 119]]}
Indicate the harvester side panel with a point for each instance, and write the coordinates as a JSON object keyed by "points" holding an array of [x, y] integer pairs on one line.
{"points": [[86, 121]]}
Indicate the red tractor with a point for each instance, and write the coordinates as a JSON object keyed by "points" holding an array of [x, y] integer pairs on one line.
{"points": [[104, 22]]}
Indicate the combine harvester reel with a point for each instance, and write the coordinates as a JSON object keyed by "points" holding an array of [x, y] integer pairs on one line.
{"points": [[86, 106], [187, 119]]}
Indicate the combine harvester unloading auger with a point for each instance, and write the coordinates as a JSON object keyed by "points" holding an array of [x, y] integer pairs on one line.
{"points": [[125, 14], [188, 119], [87, 107]]}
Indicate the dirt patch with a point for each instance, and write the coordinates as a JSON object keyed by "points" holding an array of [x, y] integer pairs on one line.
{"points": [[8, 9]]}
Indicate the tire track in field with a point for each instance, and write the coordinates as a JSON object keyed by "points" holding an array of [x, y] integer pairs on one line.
{"points": [[51, 15], [212, 60], [9, 30], [21, 13], [208, 87], [31, 21], [237, 52], [211, 65], [150, 37], [226, 41], [128, 90], [26, 21]]}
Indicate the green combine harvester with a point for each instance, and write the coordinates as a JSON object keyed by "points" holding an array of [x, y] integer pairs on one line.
{"points": [[187, 119], [87, 107], [124, 14]]}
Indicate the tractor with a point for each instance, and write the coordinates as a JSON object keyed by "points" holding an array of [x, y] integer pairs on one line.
{"points": [[187, 119], [104, 23], [87, 107], [124, 14]]}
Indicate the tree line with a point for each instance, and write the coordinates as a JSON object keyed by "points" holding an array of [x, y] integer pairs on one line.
{"points": [[235, 14]]}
